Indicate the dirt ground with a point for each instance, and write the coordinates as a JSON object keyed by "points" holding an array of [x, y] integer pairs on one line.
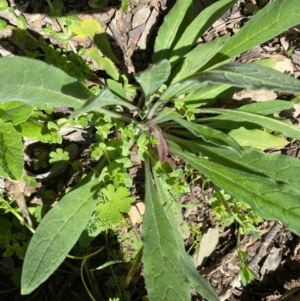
{"points": [[275, 254]]}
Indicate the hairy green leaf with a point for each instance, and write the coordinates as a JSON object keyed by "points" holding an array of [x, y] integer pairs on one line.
{"points": [[117, 89], [56, 235], [36, 83], [166, 263], [173, 27], [206, 94], [264, 121], [153, 77], [15, 111], [267, 107], [198, 27], [11, 152], [277, 167], [162, 264], [172, 207], [201, 285], [250, 76], [197, 58], [269, 199], [180, 88], [105, 98], [256, 138], [267, 23], [103, 62], [211, 135]]}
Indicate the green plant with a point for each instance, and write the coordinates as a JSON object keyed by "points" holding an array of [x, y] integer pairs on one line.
{"points": [[174, 117]]}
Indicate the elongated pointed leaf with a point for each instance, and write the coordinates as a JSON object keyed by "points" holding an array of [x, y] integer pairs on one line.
{"points": [[250, 76], [56, 235], [211, 135], [264, 121], [198, 27], [103, 62], [277, 167], [257, 138], [208, 94], [269, 199], [162, 264], [153, 77], [11, 152], [267, 107], [173, 27], [105, 98], [188, 267], [197, 58], [166, 264], [36, 83], [179, 88], [267, 23], [164, 115]]}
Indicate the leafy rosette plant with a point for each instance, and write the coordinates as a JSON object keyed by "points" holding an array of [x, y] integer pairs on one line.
{"points": [[174, 117]]}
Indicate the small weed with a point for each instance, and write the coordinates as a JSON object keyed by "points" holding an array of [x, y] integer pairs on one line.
{"points": [[164, 114]]}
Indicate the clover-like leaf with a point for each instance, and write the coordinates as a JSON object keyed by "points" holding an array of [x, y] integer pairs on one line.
{"points": [[114, 203], [59, 156]]}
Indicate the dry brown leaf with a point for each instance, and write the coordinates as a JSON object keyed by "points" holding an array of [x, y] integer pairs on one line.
{"points": [[136, 212]]}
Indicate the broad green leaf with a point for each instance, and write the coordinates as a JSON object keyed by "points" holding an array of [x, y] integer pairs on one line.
{"points": [[11, 152], [153, 77], [44, 132], [172, 207], [172, 91], [93, 29], [180, 88], [264, 121], [250, 76], [105, 98], [201, 285], [206, 94], [267, 107], [117, 89], [114, 203], [269, 199], [103, 62], [37, 83], [211, 135], [175, 23], [15, 111], [162, 265], [198, 27], [257, 139], [196, 58], [277, 167], [267, 23], [56, 235], [164, 115], [166, 263]]}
